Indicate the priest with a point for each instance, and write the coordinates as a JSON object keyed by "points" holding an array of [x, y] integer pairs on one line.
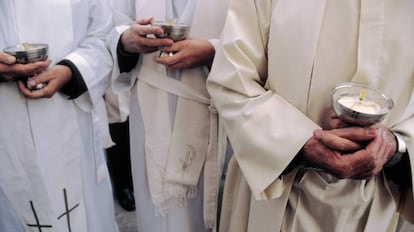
{"points": [[177, 146], [296, 166], [53, 170]]}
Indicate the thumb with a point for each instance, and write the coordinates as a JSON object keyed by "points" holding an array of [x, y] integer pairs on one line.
{"points": [[7, 58]]}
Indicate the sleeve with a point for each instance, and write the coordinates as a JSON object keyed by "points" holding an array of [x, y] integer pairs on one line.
{"points": [[75, 86], [259, 122], [123, 11], [400, 173], [122, 78], [214, 42], [406, 129], [126, 61], [91, 56]]}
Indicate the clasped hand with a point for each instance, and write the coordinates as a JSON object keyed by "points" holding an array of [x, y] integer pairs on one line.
{"points": [[38, 72], [12, 71], [348, 151], [188, 53]]}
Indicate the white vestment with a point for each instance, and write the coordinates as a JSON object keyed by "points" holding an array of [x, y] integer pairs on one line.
{"points": [[155, 211], [9, 220], [271, 82], [52, 163]]}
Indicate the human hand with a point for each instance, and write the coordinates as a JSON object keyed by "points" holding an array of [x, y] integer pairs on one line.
{"points": [[138, 38], [11, 71], [55, 77], [342, 153], [335, 122], [188, 53]]}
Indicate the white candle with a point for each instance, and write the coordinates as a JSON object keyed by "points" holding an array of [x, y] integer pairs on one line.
{"points": [[363, 106]]}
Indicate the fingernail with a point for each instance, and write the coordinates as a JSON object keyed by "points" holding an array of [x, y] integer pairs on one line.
{"points": [[317, 133], [11, 59], [31, 82]]}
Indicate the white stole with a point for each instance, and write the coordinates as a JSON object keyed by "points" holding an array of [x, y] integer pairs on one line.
{"points": [[371, 42], [175, 154]]}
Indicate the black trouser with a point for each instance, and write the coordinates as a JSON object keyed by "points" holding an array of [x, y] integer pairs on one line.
{"points": [[118, 157]]}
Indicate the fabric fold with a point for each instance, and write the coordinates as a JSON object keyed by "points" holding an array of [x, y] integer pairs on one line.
{"points": [[176, 154]]}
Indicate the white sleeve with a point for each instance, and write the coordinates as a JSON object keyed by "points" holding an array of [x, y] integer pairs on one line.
{"points": [[91, 56]]}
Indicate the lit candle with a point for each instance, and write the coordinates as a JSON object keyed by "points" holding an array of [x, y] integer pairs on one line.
{"points": [[363, 106]]}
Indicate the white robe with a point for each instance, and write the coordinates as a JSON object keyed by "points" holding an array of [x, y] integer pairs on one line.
{"points": [[209, 15], [271, 82], [9, 220], [50, 148]]}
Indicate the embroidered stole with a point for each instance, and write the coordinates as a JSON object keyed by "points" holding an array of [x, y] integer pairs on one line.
{"points": [[176, 150]]}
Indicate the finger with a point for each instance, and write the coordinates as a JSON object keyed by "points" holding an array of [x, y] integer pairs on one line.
{"points": [[34, 83], [356, 133], [362, 166], [333, 162], [384, 151], [143, 30], [38, 79], [335, 142], [375, 145], [166, 59], [335, 122], [169, 64], [151, 30], [23, 88], [145, 21], [389, 137], [368, 161], [7, 58], [365, 167], [321, 156], [177, 55], [44, 92], [156, 43], [31, 68], [175, 47]]}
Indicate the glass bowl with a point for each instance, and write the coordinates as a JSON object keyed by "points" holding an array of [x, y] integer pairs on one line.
{"points": [[358, 104]]}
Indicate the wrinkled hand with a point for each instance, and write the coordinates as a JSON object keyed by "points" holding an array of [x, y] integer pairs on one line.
{"points": [[55, 77], [351, 152], [139, 37], [188, 53], [11, 71]]}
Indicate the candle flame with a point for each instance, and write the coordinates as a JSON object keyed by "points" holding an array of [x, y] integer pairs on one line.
{"points": [[26, 46], [362, 94], [171, 21]]}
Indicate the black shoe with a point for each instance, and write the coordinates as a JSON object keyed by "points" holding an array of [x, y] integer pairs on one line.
{"points": [[126, 199]]}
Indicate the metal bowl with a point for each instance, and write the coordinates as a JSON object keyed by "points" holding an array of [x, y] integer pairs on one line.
{"points": [[358, 104], [28, 52], [174, 31]]}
